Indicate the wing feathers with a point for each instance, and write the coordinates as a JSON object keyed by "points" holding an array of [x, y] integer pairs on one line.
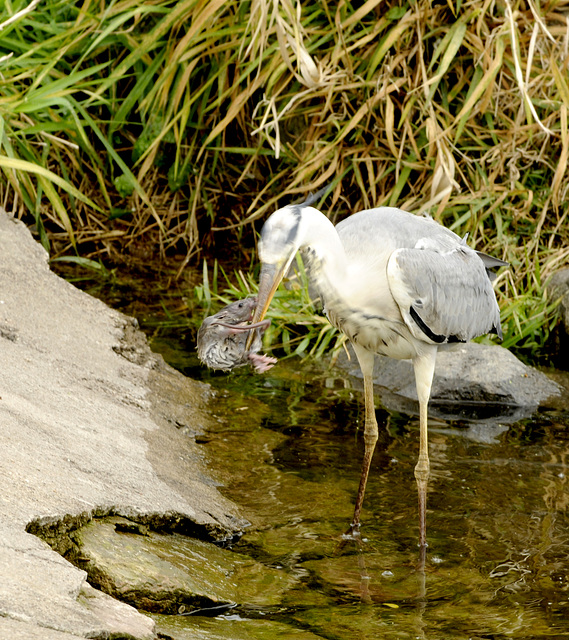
{"points": [[443, 296]]}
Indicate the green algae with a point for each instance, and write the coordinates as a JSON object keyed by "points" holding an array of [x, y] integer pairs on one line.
{"points": [[167, 573]]}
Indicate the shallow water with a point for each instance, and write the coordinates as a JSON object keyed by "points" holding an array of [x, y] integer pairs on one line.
{"points": [[288, 450]]}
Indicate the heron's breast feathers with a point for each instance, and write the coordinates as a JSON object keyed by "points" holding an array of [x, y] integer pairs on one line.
{"points": [[376, 333]]}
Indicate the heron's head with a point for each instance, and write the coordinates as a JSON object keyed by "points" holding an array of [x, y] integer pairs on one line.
{"points": [[280, 240]]}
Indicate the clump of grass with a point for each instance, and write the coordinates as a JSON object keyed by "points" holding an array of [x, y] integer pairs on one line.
{"points": [[181, 124], [530, 315]]}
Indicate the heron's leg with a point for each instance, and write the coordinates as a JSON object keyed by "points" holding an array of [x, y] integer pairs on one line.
{"points": [[424, 370], [365, 359]]}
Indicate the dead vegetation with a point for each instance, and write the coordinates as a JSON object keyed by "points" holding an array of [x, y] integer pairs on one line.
{"points": [[174, 127]]}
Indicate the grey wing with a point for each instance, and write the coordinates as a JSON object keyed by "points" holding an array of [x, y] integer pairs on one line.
{"points": [[443, 296]]}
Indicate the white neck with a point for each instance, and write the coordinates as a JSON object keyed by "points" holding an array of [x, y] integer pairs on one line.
{"points": [[320, 240]]}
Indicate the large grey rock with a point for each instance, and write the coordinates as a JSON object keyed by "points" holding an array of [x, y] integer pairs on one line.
{"points": [[473, 382], [86, 428]]}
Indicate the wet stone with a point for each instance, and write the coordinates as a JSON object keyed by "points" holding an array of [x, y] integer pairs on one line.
{"points": [[169, 573], [230, 628]]}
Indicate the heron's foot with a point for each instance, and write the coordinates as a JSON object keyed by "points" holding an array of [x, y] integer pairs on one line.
{"points": [[353, 534]]}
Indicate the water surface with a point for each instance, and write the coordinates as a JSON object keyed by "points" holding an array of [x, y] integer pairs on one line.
{"points": [[288, 450]]}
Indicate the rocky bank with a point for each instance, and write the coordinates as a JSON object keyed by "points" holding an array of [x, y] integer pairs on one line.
{"points": [[89, 425]]}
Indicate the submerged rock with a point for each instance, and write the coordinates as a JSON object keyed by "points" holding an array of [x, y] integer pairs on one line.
{"points": [[199, 628], [171, 573]]}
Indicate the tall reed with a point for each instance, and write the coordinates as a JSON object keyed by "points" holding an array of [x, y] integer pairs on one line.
{"points": [[182, 124]]}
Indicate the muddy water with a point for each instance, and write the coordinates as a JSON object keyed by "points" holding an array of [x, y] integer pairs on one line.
{"points": [[288, 451]]}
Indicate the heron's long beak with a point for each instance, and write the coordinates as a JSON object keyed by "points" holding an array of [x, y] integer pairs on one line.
{"points": [[271, 276]]}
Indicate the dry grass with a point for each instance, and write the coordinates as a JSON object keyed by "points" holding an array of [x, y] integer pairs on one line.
{"points": [[181, 125]]}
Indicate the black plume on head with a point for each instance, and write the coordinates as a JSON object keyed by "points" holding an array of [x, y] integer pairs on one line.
{"points": [[312, 197]]}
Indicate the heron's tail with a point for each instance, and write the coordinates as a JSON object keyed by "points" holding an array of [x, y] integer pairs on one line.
{"points": [[491, 263]]}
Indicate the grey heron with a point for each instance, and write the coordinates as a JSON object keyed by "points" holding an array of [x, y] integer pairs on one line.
{"points": [[396, 284]]}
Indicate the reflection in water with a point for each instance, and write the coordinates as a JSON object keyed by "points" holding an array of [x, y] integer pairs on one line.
{"points": [[497, 562]]}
